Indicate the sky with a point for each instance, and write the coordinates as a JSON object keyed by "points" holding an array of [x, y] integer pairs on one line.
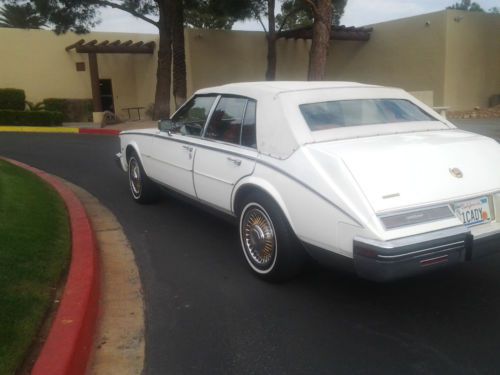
{"points": [[357, 13]]}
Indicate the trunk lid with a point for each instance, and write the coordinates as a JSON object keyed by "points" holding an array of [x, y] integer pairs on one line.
{"points": [[408, 170]]}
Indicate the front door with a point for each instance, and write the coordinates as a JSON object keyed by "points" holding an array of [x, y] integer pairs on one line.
{"points": [[173, 150], [106, 91]]}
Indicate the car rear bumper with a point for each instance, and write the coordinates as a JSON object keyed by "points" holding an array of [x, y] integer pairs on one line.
{"points": [[389, 260]]}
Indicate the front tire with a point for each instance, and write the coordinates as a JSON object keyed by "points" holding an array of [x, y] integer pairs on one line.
{"points": [[142, 189], [269, 245]]}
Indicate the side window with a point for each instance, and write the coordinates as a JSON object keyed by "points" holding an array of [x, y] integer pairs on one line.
{"points": [[248, 134], [191, 119], [225, 123]]}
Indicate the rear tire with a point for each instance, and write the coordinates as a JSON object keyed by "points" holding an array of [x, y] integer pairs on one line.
{"points": [[142, 189], [269, 245]]}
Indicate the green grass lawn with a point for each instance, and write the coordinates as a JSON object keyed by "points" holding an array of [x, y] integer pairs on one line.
{"points": [[34, 254]]}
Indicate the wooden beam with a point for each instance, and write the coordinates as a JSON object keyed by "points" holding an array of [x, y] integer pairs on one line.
{"points": [[114, 47], [338, 33], [352, 36], [91, 43], [353, 29], [74, 45], [118, 49], [94, 81], [300, 33]]}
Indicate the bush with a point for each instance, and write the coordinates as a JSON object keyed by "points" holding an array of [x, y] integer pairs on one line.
{"points": [[35, 106], [73, 110], [30, 118], [55, 105], [12, 99]]}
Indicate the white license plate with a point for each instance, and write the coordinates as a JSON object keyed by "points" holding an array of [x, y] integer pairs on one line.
{"points": [[474, 211]]}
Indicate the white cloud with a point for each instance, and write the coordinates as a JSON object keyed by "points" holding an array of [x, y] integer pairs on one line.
{"points": [[119, 21]]}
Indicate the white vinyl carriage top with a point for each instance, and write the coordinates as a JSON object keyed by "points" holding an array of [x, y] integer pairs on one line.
{"points": [[281, 128]]}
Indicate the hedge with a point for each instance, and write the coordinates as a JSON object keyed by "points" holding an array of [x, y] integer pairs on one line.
{"points": [[73, 110], [12, 99], [30, 118], [55, 105]]}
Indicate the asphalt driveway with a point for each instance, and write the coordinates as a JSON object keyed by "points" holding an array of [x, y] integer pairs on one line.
{"points": [[487, 127], [206, 314]]}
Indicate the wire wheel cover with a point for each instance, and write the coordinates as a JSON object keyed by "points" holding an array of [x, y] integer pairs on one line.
{"points": [[135, 177], [258, 237]]}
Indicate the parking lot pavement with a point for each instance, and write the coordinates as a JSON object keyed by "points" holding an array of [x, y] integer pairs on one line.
{"points": [[487, 127], [206, 314]]}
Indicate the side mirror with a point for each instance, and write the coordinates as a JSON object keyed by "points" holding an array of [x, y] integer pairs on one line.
{"points": [[165, 125]]}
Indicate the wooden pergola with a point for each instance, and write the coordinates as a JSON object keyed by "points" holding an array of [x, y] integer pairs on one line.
{"points": [[360, 34], [94, 47]]}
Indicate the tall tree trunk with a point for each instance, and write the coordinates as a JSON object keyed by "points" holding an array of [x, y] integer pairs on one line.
{"points": [[321, 39], [164, 70], [178, 50], [271, 42]]}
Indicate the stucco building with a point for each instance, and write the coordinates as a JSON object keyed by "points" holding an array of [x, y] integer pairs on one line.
{"points": [[449, 58]]}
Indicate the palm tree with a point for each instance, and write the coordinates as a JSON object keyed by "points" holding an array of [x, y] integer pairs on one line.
{"points": [[21, 17]]}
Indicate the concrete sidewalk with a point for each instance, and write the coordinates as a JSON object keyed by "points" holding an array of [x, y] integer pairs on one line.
{"points": [[119, 343], [127, 125]]}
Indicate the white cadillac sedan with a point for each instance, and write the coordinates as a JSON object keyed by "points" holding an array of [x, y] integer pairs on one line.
{"points": [[327, 170]]}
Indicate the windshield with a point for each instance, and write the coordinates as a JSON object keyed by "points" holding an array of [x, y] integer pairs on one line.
{"points": [[342, 113]]}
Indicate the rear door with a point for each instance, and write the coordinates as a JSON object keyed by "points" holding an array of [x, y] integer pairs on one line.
{"points": [[227, 151]]}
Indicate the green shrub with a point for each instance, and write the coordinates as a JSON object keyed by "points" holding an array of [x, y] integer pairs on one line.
{"points": [[35, 106], [74, 110], [55, 105], [12, 99], [30, 118]]}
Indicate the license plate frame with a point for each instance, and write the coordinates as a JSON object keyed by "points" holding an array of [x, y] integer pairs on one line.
{"points": [[472, 212]]}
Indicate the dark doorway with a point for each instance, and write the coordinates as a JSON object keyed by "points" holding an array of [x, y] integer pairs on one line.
{"points": [[106, 91]]}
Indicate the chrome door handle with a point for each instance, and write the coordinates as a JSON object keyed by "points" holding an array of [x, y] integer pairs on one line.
{"points": [[188, 148], [234, 161]]}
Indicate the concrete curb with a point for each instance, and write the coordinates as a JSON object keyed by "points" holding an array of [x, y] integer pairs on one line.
{"points": [[41, 129], [68, 345], [119, 342], [99, 131]]}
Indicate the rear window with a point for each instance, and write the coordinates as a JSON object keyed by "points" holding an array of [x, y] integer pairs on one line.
{"points": [[341, 113]]}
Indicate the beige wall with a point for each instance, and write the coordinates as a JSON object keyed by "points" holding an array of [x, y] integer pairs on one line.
{"points": [[36, 61], [145, 76], [32, 60], [456, 63], [456, 67], [217, 57], [404, 53], [472, 59]]}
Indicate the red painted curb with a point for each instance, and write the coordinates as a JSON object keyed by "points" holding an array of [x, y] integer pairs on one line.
{"points": [[67, 348], [99, 131]]}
